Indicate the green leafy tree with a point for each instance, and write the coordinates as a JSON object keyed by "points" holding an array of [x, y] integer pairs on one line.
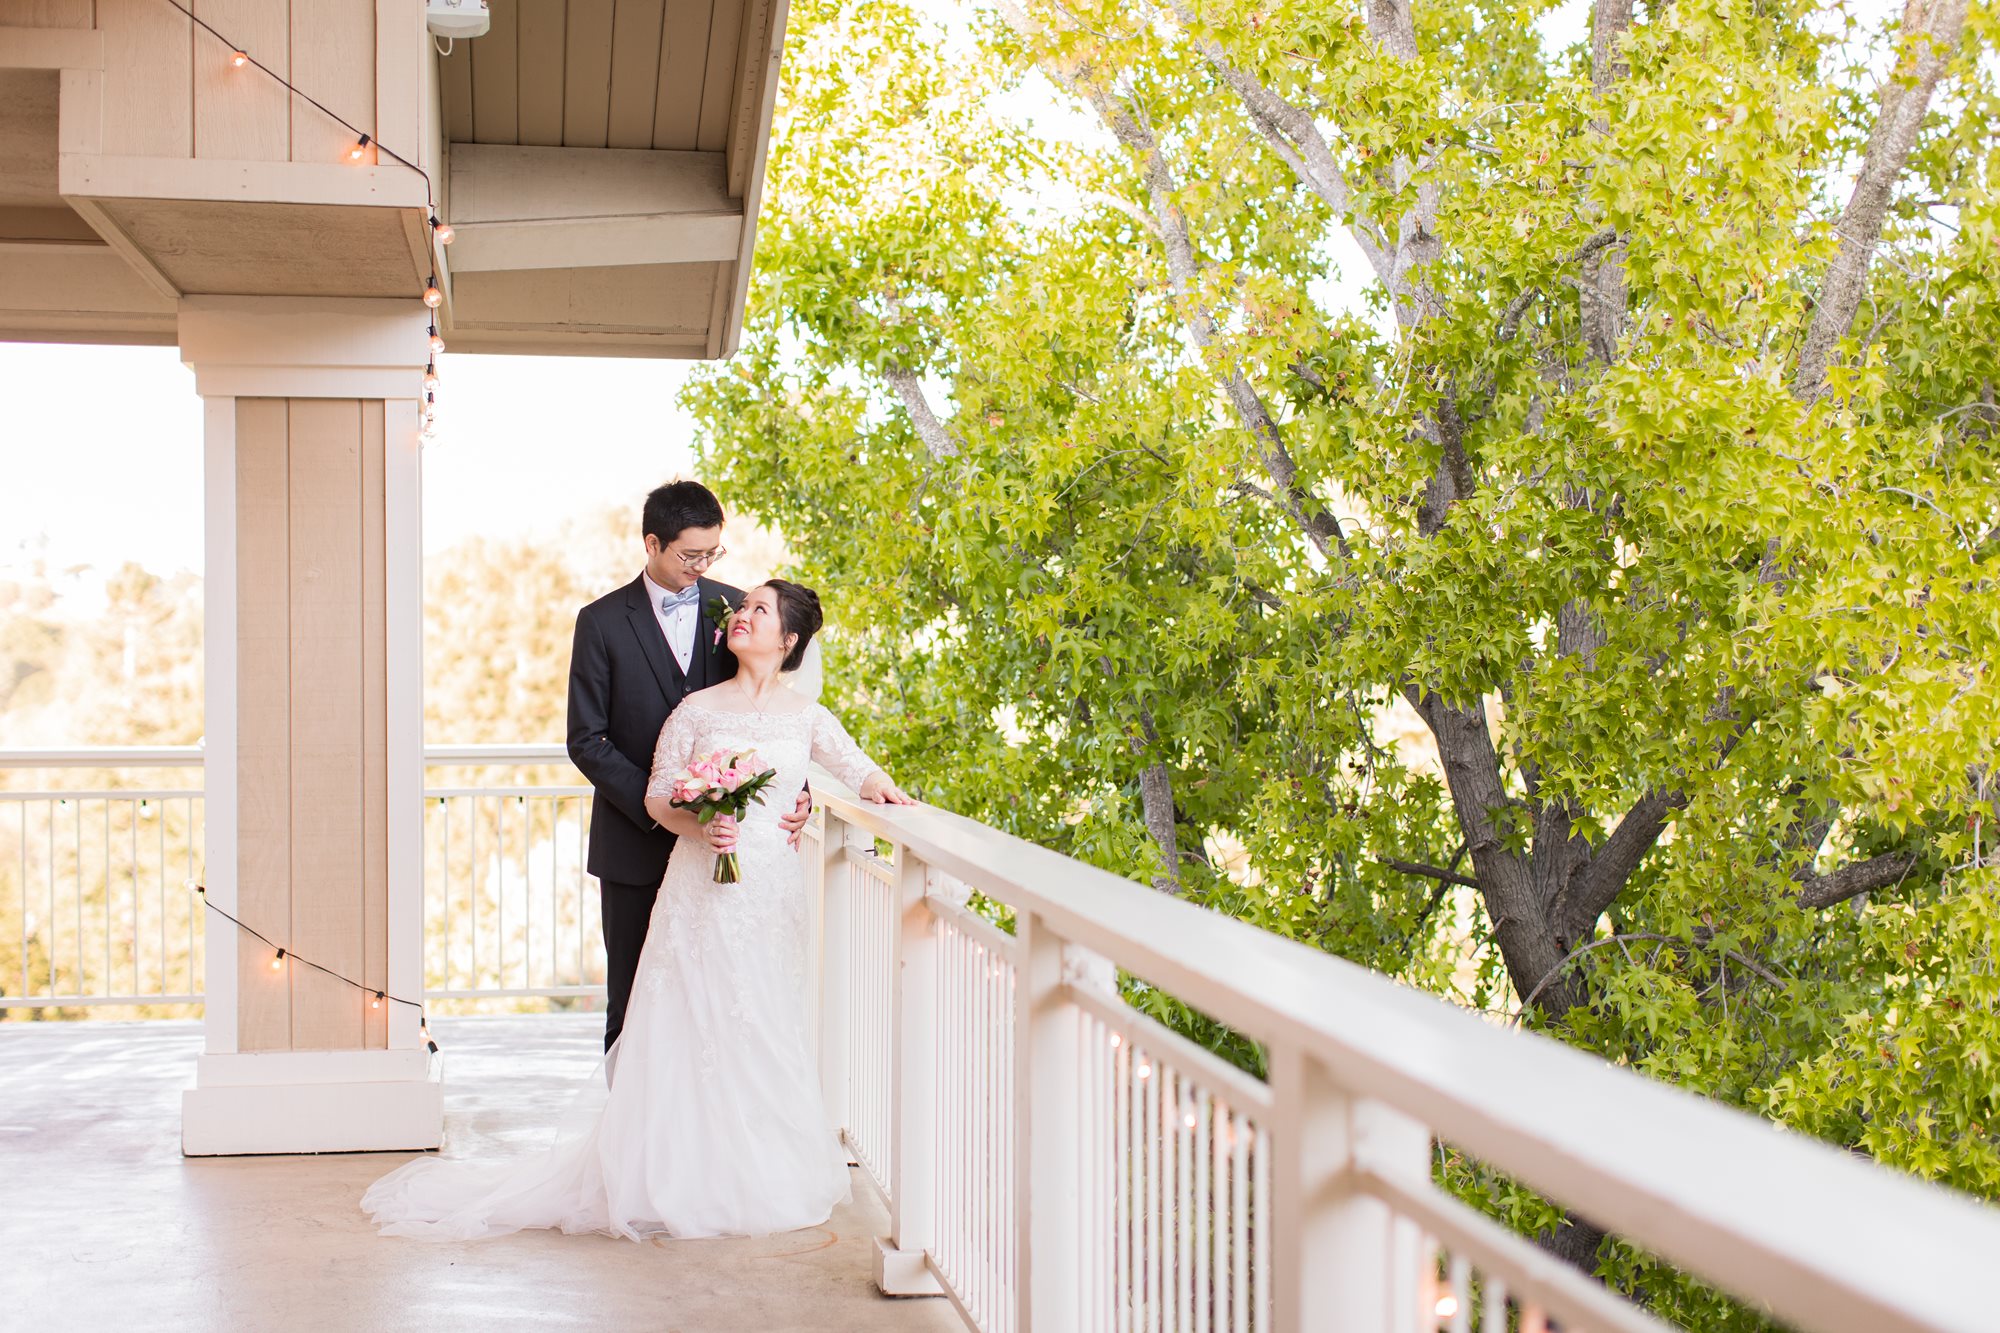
{"points": [[1652, 471]]}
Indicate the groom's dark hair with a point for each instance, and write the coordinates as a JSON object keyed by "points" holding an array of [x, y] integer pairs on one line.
{"points": [[678, 506], [798, 613]]}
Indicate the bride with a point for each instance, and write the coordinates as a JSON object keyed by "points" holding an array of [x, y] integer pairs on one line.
{"points": [[713, 1124]]}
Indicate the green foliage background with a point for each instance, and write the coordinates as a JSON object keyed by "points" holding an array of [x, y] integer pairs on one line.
{"points": [[1695, 649]]}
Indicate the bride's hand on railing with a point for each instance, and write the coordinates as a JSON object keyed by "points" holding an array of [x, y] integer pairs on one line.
{"points": [[720, 834], [881, 790]]}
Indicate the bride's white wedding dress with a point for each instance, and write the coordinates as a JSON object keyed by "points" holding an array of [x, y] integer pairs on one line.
{"points": [[713, 1123]]}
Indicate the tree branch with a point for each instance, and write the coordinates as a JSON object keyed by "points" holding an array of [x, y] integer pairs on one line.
{"points": [[936, 437], [1295, 136], [1856, 877], [1603, 313], [1156, 797], [1604, 876], [1438, 873], [1930, 36], [1510, 317], [1183, 270]]}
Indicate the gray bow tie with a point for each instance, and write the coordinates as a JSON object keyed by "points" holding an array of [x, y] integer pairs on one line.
{"points": [[688, 596]]}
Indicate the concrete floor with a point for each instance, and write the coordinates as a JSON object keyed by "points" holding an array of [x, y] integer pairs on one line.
{"points": [[105, 1226]]}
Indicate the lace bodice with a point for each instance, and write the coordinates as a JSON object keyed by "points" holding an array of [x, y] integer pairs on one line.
{"points": [[789, 742]]}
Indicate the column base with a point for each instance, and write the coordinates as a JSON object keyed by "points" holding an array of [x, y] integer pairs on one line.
{"points": [[313, 1102], [903, 1272]]}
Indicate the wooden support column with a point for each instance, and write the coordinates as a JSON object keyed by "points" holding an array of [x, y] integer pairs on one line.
{"points": [[900, 1265], [1344, 1263], [315, 746], [1048, 1166]]}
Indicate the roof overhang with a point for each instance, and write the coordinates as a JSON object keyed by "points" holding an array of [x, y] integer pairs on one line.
{"points": [[601, 161]]}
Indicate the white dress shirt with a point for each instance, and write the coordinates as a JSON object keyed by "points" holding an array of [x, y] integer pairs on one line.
{"points": [[678, 625]]}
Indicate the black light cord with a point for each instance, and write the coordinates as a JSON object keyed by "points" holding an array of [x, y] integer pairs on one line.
{"points": [[284, 953], [430, 199]]}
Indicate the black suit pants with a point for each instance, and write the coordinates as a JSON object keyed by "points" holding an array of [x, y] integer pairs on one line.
{"points": [[626, 908]]}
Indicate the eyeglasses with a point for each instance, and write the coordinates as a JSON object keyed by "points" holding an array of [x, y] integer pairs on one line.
{"points": [[699, 559]]}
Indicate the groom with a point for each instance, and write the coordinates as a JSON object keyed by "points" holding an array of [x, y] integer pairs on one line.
{"points": [[639, 651]]}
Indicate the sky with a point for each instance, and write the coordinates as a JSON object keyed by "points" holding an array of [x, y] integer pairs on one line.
{"points": [[103, 451]]}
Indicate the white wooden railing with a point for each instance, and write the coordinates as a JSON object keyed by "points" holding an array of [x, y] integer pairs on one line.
{"points": [[92, 881], [509, 910], [1054, 1160], [94, 898]]}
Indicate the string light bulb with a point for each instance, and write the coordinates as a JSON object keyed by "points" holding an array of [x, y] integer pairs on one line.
{"points": [[430, 378], [1447, 1306], [437, 343], [238, 59], [1145, 1070], [278, 961], [442, 230], [432, 296], [376, 1003], [360, 149]]}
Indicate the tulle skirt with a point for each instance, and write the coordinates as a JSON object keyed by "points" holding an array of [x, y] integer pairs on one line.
{"points": [[706, 1117]]}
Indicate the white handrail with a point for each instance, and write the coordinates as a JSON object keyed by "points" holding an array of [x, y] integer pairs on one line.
{"points": [[190, 756], [1781, 1220], [553, 753], [105, 756]]}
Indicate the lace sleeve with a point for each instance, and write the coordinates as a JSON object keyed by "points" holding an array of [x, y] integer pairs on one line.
{"points": [[835, 751], [675, 750]]}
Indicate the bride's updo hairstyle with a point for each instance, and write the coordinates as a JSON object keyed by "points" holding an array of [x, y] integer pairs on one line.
{"points": [[798, 613]]}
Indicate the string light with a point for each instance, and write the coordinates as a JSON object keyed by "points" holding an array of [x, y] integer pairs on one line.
{"points": [[1447, 1306], [430, 379], [437, 343], [238, 59], [1145, 1070], [376, 997], [432, 296], [360, 149], [442, 230]]}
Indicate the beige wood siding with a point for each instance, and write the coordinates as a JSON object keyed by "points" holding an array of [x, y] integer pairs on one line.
{"points": [[312, 700], [242, 114], [600, 74], [170, 90], [148, 79]]}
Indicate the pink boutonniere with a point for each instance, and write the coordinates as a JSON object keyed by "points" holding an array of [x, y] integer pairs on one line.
{"points": [[719, 611]]}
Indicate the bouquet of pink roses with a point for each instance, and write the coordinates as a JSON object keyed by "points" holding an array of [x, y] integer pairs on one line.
{"points": [[722, 784]]}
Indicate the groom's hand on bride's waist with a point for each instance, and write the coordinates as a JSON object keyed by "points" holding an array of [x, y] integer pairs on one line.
{"points": [[794, 823]]}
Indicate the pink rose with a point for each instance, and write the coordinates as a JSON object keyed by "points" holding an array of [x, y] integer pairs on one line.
{"points": [[706, 769], [731, 780], [748, 762]]}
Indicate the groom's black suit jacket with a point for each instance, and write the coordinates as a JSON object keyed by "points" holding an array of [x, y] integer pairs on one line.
{"points": [[623, 681]]}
